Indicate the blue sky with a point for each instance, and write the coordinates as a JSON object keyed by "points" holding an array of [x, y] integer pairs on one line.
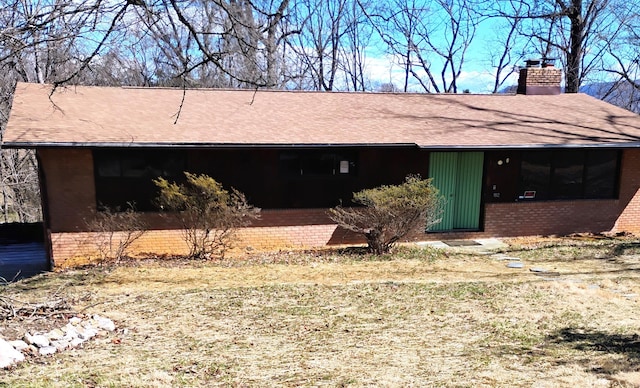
{"points": [[476, 72]]}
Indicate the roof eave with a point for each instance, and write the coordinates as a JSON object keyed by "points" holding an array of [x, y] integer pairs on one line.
{"points": [[33, 145], [634, 144], [434, 147]]}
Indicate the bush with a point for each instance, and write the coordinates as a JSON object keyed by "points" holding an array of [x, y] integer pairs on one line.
{"points": [[115, 231], [209, 214], [389, 213]]}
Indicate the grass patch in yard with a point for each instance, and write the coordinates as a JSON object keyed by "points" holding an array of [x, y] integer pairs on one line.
{"points": [[419, 318]]}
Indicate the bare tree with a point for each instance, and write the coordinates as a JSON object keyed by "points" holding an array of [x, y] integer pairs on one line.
{"points": [[507, 49], [430, 38], [353, 54], [574, 30], [233, 43], [323, 29], [622, 61]]}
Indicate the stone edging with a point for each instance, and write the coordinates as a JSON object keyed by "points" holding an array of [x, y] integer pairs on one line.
{"points": [[73, 334]]}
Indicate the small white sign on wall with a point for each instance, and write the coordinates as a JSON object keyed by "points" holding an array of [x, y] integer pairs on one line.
{"points": [[344, 167]]}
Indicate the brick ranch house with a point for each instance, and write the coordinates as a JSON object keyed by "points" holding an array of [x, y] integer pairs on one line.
{"points": [[533, 163]]}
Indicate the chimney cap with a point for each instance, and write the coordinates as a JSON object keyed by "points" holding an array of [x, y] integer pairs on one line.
{"points": [[541, 62], [532, 62]]}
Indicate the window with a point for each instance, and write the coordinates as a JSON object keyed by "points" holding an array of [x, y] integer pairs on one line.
{"points": [[316, 178], [569, 174], [124, 177], [601, 174], [568, 170], [317, 163], [535, 170]]}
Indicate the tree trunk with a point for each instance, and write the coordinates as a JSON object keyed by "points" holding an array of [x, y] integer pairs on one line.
{"points": [[574, 55]]}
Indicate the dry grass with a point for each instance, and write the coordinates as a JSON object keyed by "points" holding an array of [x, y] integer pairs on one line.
{"points": [[417, 318]]}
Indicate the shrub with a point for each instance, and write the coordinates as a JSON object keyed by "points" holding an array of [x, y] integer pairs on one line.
{"points": [[209, 214], [115, 231], [388, 213]]}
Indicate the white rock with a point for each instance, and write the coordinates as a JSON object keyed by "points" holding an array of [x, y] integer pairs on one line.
{"points": [[75, 320], [46, 350], [61, 345], [9, 355], [76, 341], [70, 332], [19, 345], [87, 332], [68, 327], [104, 323], [37, 340], [55, 334]]}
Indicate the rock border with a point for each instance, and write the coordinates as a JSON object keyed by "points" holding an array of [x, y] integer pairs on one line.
{"points": [[79, 330]]}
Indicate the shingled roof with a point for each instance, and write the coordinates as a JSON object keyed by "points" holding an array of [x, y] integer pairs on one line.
{"points": [[84, 116]]}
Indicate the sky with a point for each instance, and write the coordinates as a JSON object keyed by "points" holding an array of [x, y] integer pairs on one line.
{"points": [[476, 73], [476, 78]]}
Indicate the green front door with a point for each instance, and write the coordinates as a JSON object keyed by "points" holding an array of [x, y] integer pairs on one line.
{"points": [[458, 176]]}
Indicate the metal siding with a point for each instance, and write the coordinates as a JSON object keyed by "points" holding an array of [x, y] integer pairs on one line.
{"points": [[469, 190], [443, 171], [22, 260]]}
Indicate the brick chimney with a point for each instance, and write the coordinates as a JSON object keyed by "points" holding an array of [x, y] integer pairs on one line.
{"points": [[539, 77]]}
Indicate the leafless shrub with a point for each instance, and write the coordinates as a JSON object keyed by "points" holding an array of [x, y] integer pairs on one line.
{"points": [[116, 231]]}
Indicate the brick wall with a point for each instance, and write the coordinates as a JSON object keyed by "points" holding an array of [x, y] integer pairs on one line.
{"points": [[76, 248], [549, 217], [542, 76], [565, 217], [276, 229]]}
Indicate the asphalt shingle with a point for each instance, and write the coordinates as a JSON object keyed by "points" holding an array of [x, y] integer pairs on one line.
{"points": [[103, 116]]}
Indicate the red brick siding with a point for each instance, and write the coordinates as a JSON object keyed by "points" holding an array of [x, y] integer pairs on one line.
{"points": [[276, 229], [73, 248], [549, 217]]}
